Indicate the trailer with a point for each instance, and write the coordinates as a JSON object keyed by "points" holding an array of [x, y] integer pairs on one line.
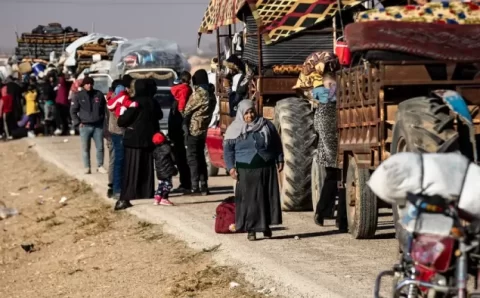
{"points": [[405, 89], [274, 56]]}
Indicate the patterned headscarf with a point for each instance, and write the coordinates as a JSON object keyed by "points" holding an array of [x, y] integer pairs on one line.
{"points": [[313, 68]]}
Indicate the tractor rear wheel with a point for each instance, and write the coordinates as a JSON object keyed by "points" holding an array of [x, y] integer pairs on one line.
{"points": [[294, 122], [423, 124]]}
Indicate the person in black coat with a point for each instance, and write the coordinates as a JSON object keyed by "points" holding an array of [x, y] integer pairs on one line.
{"points": [[165, 168], [140, 125], [15, 90]]}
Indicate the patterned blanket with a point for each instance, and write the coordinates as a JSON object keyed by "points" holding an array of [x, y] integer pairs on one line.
{"points": [[433, 40], [433, 12]]}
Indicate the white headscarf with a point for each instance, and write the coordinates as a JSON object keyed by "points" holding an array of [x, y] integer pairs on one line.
{"points": [[240, 128]]}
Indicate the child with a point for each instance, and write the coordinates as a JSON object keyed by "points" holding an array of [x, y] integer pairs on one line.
{"points": [[121, 101], [326, 93], [49, 111], [182, 91], [165, 169], [31, 109]]}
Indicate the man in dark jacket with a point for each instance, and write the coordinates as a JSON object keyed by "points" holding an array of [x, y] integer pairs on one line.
{"points": [[88, 112]]}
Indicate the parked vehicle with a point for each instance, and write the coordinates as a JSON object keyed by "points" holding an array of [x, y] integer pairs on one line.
{"points": [[100, 73], [389, 99], [164, 78], [437, 265], [151, 58]]}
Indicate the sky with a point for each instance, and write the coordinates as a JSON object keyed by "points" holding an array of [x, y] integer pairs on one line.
{"points": [[177, 20]]}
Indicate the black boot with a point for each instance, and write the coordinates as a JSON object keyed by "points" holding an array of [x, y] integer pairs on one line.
{"points": [[318, 219], [204, 189], [181, 189], [122, 205], [251, 236], [267, 234], [110, 192]]}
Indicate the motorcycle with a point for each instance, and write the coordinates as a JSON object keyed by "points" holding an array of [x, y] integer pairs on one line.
{"points": [[439, 254]]}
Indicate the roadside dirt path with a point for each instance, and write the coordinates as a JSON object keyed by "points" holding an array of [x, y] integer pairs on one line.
{"points": [[83, 249]]}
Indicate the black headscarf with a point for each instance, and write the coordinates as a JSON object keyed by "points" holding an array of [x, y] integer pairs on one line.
{"points": [[152, 87], [200, 78], [141, 88]]}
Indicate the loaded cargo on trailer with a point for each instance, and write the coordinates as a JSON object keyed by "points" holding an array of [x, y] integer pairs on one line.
{"points": [[399, 91]]}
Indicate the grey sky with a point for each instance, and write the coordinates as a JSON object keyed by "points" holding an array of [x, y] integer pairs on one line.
{"points": [[169, 19]]}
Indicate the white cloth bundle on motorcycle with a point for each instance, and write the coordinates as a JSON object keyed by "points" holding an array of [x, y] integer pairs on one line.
{"points": [[450, 175]]}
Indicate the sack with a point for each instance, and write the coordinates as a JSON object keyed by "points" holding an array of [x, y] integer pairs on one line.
{"points": [[450, 175], [25, 67], [225, 219]]}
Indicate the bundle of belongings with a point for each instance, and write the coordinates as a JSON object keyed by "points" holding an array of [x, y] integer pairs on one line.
{"points": [[444, 12], [436, 30], [449, 175], [148, 53], [44, 40], [102, 49]]}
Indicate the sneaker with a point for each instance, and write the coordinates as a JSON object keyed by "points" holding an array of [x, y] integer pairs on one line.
{"points": [[31, 134], [101, 170], [166, 202], [204, 190], [72, 132], [195, 192], [57, 132], [87, 171], [157, 200]]}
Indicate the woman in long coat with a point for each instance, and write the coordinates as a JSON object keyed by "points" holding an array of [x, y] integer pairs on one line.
{"points": [[253, 154], [140, 125]]}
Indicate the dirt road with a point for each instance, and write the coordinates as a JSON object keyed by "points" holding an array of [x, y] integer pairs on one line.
{"points": [[81, 248], [301, 260]]}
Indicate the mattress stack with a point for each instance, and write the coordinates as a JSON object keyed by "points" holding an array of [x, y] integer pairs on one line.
{"points": [[46, 39], [89, 53]]}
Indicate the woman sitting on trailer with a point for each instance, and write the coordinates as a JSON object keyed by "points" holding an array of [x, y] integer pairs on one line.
{"points": [[253, 154]]}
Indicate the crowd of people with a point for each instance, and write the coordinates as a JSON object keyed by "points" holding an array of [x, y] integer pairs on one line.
{"points": [[128, 119], [34, 105], [137, 147]]}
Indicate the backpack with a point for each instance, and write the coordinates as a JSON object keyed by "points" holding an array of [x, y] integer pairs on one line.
{"points": [[225, 219]]}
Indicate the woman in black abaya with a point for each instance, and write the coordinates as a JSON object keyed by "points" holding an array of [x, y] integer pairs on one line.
{"points": [[253, 154], [140, 125]]}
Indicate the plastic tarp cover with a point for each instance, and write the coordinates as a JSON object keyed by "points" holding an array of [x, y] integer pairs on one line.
{"points": [[72, 48], [148, 53]]}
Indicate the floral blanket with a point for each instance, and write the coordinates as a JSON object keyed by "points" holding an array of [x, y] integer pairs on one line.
{"points": [[432, 12], [431, 40]]}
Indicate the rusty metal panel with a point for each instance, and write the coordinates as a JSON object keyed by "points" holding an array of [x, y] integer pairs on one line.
{"points": [[269, 113], [405, 74], [471, 94], [225, 118], [277, 85], [401, 73], [358, 112]]}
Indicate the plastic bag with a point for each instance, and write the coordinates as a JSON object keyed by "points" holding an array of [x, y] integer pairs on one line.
{"points": [[7, 212], [148, 53]]}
